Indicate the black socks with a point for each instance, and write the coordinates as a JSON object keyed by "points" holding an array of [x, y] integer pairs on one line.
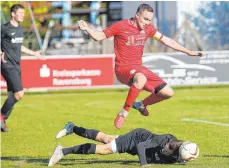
{"points": [[87, 133], [80, 149], [87, 148]]}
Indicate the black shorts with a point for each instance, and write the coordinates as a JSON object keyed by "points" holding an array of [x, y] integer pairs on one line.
{"points": [[13, 79]]}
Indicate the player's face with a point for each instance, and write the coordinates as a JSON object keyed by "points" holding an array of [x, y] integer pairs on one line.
{"points": [[166, 150], [19, 15], [171, 148], [144, 18]]}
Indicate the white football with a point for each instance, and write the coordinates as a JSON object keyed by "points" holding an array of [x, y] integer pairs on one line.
{"points": [[189, 151]]}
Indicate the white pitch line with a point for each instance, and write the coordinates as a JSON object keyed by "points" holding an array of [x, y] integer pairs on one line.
{"points": [[205, 121]]}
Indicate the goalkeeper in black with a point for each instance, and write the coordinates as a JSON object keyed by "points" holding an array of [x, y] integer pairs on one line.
{"points": [[150, 147]]}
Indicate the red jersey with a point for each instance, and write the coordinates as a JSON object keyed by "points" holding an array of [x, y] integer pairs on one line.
{"points": [[128, 42]]}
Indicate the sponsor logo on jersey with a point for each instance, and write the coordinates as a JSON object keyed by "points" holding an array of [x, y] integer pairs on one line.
{"points": [[136, 40], [17, 40]]}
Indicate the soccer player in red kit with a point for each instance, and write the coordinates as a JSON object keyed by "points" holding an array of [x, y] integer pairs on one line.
{"points": [[130, 36]]}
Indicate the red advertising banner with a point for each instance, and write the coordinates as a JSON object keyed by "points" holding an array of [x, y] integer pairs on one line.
{"points": [[66, 72]]}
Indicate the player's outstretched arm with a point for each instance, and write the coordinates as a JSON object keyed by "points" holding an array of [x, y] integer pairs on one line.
{"points": [[175, 45], [96, 35], [37, 54], [141, 150]]}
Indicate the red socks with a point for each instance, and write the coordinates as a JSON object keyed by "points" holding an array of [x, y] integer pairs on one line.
{"points": [[152, 99], [132, 95]]}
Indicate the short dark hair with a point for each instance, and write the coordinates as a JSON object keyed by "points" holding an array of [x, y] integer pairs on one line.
{"points": [[15, 7], [144, 7], [173, 148]]}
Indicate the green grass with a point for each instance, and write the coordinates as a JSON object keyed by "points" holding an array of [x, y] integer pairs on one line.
{"points": [[38, 117]]}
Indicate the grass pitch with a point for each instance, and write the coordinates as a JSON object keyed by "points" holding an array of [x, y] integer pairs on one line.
{"points": [[36, 120]]}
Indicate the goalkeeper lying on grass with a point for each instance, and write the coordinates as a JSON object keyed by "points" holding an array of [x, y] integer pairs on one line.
{"points": [[150, 147]]}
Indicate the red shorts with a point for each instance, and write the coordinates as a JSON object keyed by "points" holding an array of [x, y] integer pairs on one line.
{"points": [[125, 76]]}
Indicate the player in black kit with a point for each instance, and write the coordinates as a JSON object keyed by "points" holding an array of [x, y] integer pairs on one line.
{"points": [[150, 147], [11, 47]]}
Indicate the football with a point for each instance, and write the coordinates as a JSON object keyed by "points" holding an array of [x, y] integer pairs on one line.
{"points": [[189, 151]]}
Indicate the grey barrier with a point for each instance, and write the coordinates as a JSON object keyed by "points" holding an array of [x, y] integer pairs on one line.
{"points": [[180, 69]]}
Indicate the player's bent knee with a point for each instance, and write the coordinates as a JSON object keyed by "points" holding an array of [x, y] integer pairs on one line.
{"points": [[170, 94], [139, 80], [166, 92], [19, 95]]}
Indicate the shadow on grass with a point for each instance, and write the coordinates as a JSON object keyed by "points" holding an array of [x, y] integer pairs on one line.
{"points": [[43, 161], [67, 162], [125, 162], [218, 156]]}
